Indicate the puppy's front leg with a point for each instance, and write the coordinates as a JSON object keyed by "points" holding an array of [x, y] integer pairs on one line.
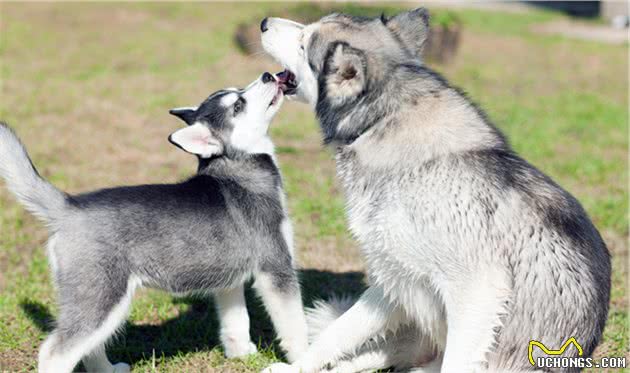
{"points": [[234, 322], [369, 316], [280, 292]]}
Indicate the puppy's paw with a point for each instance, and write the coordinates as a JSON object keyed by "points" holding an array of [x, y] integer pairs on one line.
{"points": [[280, 368], [239, 349], [121, 368]]}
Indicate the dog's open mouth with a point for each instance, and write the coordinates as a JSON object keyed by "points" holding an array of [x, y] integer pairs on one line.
{"points": [[288, 85]]}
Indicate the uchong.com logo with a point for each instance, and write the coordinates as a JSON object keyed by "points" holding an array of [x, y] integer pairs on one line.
{"points": [[555, 360]]}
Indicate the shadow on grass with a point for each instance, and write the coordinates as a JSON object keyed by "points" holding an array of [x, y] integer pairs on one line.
{"points": [[197, 328], [39, 314]]}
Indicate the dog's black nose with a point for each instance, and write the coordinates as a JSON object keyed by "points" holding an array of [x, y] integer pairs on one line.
{"points": [[263, 25], [266, 78]]}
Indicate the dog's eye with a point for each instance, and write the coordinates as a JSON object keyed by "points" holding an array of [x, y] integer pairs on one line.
{"points": [[239, 105]]}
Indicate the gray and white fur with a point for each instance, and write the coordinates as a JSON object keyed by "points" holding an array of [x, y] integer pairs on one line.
{"points": [[208, 234], [464, 240]]}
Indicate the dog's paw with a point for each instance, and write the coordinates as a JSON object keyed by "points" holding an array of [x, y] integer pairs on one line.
{"points": [[239, 349], [280, 368], [121, 368]]}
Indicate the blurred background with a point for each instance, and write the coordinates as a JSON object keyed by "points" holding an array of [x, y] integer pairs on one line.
{"points": [[87, 86]]}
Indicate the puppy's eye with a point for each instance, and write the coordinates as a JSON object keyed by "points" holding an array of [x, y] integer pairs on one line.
{"points": [[239, 105], [302, 48]]}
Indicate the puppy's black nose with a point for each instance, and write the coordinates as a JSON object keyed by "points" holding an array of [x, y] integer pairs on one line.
{"points": [[266, 78], [263, 25]]}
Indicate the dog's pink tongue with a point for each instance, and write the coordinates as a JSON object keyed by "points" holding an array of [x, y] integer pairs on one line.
{"points": [[287, 81], [283, 76]]}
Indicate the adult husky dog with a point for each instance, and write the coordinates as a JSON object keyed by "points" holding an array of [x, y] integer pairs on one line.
{"points": [[208, 234], [464, 241]]}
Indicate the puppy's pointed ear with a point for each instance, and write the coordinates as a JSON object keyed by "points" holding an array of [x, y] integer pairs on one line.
{"points": [[412, 28], [345, 73], [187, 114], [196, 139]]}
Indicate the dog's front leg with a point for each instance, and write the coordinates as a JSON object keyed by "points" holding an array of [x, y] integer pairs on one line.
{"points": [[369, 316], [280, 292], [234, 322], [475, 307]]}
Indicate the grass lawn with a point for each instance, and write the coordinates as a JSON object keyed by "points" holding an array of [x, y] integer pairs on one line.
{"points": [[88, 88]]}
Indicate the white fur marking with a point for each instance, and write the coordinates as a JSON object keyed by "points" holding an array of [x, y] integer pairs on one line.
{"points": [[368, 317], [229, 99], [234, 322], [287, 315], [52, 257], [477, 307], [193, 108], [66, 360], [287, 232]]}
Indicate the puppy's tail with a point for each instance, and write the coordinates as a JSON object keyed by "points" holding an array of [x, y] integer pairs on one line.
{"points": [[39, 197], [324, 313]]}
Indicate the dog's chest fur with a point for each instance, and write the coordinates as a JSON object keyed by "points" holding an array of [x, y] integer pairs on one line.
{"points": [[385, 214], [403, 213]]}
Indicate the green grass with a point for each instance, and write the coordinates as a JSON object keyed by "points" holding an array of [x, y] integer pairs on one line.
{"points": [[88, 86]]}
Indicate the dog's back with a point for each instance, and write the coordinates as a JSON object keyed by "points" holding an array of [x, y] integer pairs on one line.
{"points": [[205, 233]]}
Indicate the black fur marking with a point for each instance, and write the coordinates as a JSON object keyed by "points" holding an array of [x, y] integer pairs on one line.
{"points": [[212, 112], [217, 118], [383, 18], [187, 115]]}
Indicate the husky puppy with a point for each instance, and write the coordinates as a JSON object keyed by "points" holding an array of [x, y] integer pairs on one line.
{"points": [[463, 239], [208, 234]]}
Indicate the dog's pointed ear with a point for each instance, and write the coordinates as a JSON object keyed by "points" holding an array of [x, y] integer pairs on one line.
{"points": [[412, 28], [196, 139], [187, 114], [346, 72]]}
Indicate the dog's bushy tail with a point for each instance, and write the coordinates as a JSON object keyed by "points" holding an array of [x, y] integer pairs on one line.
{"points": [[38, 196], [323, 313]]}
